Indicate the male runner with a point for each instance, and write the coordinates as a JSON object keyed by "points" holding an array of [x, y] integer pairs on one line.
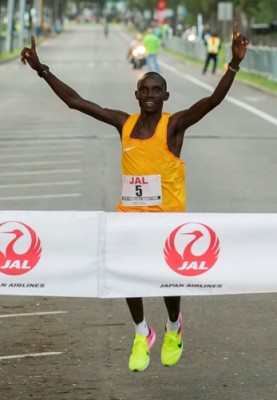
{"points": [[151, 147]]}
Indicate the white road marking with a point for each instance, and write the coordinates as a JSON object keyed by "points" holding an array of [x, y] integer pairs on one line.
{"points": [[37, 140], [35, 154], [39, 163], [252, 110], [41, 184], [45, 196], [57, 171], [232, 100], [62, 144], [50, 353], [31, 314]]}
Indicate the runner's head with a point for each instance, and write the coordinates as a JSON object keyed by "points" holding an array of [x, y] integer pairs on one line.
{"points": [[153, 74], [151, 92]]}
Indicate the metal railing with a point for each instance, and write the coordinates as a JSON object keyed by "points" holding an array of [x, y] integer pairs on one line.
{"points": [[260, 60]]}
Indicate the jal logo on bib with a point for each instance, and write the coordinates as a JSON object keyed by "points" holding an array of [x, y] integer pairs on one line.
{"points": [[20, 248], [191, 249]]}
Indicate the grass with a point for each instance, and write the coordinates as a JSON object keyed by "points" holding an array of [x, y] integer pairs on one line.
{"points": [[258, 80], [9, 56], [6, 56]]}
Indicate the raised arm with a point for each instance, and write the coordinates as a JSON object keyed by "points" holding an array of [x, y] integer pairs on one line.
{"points": [[184, 119], [68, 95]]}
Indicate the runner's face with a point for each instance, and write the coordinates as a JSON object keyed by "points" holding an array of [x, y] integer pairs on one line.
{"points": [[151, 94]]}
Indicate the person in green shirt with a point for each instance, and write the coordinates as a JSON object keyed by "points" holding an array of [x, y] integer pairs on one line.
{"points": [[152, 44]]}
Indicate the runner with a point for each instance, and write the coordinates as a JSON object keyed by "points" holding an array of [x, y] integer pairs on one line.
{"points": [[153, 174]]}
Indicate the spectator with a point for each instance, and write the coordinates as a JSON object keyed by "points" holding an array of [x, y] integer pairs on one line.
{"points": [[152, 45]]}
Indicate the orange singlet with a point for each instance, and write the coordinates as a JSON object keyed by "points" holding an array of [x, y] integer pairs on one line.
{"points": [[153, 179]]}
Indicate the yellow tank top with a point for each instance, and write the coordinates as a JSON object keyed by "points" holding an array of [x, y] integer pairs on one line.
{"points": [[142, 157]]}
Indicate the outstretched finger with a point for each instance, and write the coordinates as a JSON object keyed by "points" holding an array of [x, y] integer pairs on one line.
{"points": [[235, 29], [33, 45]]}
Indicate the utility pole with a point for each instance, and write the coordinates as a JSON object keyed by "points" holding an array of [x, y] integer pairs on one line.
{"points": [[41, 7], [10, 27], [57, 16], [22, 7], [37, 16]]}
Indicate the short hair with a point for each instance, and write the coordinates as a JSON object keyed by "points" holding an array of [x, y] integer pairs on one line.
{"points": [[153, 73]]}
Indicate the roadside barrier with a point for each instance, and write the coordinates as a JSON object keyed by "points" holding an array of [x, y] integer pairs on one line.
{"points": [[113, 255], [259, 60]]}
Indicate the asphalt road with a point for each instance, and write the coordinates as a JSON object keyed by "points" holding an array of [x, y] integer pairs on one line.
{"points": [[53, 158]]}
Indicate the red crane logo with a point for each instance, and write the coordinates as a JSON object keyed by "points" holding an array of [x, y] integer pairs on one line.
{"points": [[195, 255], [20, 248]]}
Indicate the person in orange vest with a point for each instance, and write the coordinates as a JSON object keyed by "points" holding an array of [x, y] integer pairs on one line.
{"points": [[151, 148], [213, 44]]}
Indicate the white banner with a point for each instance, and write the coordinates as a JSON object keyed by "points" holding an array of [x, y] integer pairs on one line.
{"points": [[65, 263], [110, 255]]}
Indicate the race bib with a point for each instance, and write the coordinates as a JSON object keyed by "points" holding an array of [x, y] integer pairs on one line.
{"points": [[143, 190]]}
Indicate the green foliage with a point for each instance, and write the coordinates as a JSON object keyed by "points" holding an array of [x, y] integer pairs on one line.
{"points": [[143, 4], [258, 10]]}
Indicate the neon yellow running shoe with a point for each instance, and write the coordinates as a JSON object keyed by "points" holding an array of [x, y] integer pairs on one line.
{"points": [[172, 346], [140, 358]]}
